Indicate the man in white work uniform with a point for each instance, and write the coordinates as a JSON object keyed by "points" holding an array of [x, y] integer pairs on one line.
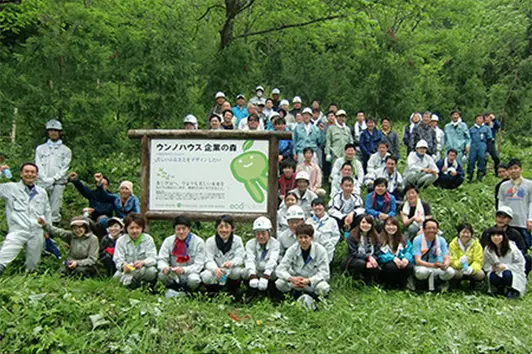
{"points": [[53, 160], [25, 202]]}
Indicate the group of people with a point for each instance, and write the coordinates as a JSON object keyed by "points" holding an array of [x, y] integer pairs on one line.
{"points": [[295, 254]]}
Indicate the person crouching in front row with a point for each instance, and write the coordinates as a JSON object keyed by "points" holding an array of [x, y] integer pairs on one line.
{"points": [[362, 251], [262, 257], [224, 258], [304, 269], [432, 257], [135, 254], [83, 253], [181, 259]]}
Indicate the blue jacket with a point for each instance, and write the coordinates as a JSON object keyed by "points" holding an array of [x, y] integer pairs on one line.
{"points": [[132, 204], [457, 137], [286, 148], [368, 142], [100, 207], [480, 135], [385, 255], [379, 205], [302, 140], [239, 113]]}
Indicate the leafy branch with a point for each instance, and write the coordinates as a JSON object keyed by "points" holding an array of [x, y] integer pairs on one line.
{"points": [[284, 27]]}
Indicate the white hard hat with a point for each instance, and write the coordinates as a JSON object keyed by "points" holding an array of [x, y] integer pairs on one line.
{"points": [[219, 94], [276, 91], [295, 212], [262, 223], [435, 118], [307, 110], [506, 210], [189, 118], [422, 144], [259, 88], [303, 175], [297, 99], [274, 115], [240, 95], [341, 112], [54, 124], [284, 103]]}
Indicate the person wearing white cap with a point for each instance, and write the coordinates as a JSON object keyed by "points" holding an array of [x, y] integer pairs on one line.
{"points": [[296, 106], [258, 98], [305, 195], [83, 246], [190, 122], [262, 256], [421, 170], [290, 119], [239, 110], [503, 217], [451, 174], [218, 107], [440, 137], [275, 98], [25, 202], [295, 216], [313, 171], [53, 160], [306, 135], [338, 135], [124, 203]]}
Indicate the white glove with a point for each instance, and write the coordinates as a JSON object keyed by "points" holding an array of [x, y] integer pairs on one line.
{"points": [[253, 283], [328, 158], [47, 182], [263, 284], [468, 271], [464, 259]]}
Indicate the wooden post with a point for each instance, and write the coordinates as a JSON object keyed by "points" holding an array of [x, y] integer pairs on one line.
{"points": [[145, 177], [273, 161]]}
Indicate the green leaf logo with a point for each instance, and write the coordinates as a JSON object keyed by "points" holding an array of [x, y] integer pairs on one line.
{"points": [[247, 145]]}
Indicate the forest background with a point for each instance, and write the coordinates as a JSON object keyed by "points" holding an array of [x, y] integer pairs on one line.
{"points": [[106, 66]]}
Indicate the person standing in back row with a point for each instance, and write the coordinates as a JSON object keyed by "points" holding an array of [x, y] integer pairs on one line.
{"points": [[457, 136], [480, 135], [517, 194], [424, 131], [53, 160]]}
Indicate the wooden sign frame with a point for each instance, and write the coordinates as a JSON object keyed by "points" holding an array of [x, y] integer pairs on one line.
{"points": [[273, 137]]}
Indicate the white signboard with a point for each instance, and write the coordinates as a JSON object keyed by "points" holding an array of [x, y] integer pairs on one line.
{"points": [[200, 175]]}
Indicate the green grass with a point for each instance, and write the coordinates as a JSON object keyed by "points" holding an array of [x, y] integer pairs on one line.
{"points": [[45, 313]]}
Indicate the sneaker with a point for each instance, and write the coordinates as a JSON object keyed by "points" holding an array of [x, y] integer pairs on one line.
{"points": [[170, 293], [307, 302], [512, 294]]}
